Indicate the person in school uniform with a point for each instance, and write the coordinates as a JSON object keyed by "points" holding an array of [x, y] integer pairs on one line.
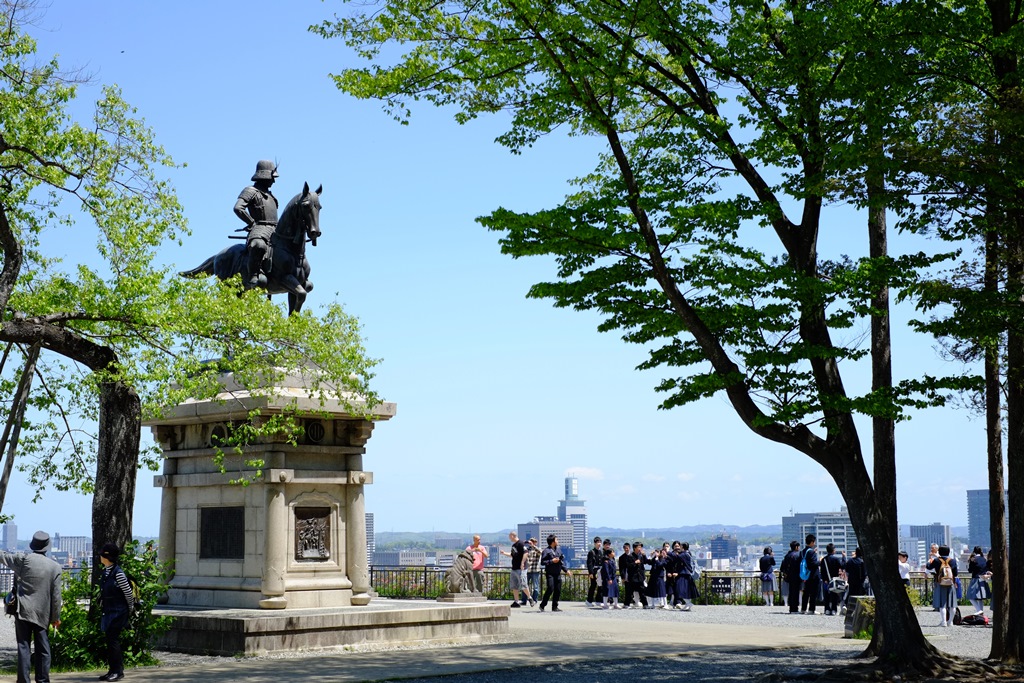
{"points": [[656, 588], [636, 577], [832, 568], [947, 594], [595, 558], [790, 571], [809, 556], [686, 588], [977, 589], [610, 579], [553, 562], [765, 565]]}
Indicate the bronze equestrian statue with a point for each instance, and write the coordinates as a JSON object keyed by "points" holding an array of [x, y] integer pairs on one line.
{"points": [[274, 255]]}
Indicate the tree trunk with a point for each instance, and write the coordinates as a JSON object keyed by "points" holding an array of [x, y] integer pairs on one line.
{"points": [[117, 465], [1004, 17], [883, 427], [996, 485], [897, 638]]}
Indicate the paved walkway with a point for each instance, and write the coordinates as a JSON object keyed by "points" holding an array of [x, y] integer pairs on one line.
{"points": [[575, 635]]}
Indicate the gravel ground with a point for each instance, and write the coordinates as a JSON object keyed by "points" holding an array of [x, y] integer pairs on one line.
{"points": [[961, 641]]}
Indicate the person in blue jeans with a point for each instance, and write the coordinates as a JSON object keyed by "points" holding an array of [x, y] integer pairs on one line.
{"points": [[533, 568]]}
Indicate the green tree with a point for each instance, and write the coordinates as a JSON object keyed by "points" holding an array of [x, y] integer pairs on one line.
{"points": [[729, 127], [118, 338]]}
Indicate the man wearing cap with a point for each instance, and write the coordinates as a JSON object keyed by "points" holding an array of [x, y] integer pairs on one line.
{"points": [[257, 208], [38, 581]]}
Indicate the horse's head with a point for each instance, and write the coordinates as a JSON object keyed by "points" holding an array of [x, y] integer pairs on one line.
{"points": [[309, 212]]}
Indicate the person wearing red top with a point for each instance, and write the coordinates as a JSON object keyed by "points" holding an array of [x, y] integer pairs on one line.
{"points": [[479, 558]]}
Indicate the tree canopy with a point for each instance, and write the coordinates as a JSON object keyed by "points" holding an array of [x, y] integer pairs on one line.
{"points": [[732, 127]]}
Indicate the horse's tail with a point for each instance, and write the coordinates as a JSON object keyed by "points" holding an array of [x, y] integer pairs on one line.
{"points": [[202, 270]]}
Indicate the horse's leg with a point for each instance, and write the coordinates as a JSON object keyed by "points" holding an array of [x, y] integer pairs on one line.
{"points": [[292, 284], [295, 301]]}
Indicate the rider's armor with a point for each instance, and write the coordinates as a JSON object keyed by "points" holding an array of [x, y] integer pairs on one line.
{"points": [[257, 206]]}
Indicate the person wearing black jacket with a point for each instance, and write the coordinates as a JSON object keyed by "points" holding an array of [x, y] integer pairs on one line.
{"points": [[635, 576], [790, 571], [554, 566], [765, 565], [832, 568], [625, 559], [812, 584], [856, 575], [595, 558], [117, 604]]}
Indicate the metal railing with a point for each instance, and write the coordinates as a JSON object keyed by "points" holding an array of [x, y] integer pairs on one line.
{"points": [[715, 587]]}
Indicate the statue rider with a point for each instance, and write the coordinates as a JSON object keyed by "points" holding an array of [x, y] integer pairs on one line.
{"points": [[257, 207]]}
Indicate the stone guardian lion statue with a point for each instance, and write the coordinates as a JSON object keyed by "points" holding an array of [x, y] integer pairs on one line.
{"points": [[459, 578]]}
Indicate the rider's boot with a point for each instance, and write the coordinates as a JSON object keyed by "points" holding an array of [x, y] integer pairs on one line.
{"points": [[255, 262]]}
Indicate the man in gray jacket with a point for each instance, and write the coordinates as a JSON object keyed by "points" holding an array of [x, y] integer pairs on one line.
{"points": [[39, 584]]}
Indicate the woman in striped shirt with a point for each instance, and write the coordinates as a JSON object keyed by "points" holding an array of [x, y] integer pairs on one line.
{"points": [[117, 602]]}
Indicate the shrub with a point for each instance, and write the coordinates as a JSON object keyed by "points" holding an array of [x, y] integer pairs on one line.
{"points": [[80, 645]]}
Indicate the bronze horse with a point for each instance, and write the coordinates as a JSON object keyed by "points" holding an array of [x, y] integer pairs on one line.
{"points": [[289, 269]]}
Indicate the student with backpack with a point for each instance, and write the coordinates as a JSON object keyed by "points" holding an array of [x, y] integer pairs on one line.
{"points": [[945, 568], [809, 573], [117, 600]]}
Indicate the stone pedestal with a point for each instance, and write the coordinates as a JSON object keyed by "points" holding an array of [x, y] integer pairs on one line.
{"points": [[462, 597], [294, 537], [860, 615]]}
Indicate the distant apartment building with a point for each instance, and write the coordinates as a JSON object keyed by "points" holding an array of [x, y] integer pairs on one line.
{"points": [[496, 559], [828, 527], [936, 533], [371, 539], [541, 527], [723, 546], [979, 522], [10, 537], [916, 550], [76, 547], [573, 509], [445, 558], [402, 558], [451, 542]]}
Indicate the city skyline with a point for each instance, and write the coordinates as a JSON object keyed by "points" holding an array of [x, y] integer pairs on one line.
{"points": [[490, 386]]}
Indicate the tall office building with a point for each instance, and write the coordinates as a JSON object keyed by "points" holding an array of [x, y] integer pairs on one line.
{"points": [[573, 510], [828, 527], [793, 527], [932, 533], [10, 537], [979, 524], [371, 540]]}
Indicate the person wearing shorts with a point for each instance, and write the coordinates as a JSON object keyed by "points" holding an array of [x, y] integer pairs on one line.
{"points": [[517, 577]]}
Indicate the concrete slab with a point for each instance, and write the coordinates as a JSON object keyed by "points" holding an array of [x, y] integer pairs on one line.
{"points": [[246, 632]]}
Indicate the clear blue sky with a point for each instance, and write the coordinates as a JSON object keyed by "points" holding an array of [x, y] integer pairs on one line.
{"points": [[499, 397]]}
